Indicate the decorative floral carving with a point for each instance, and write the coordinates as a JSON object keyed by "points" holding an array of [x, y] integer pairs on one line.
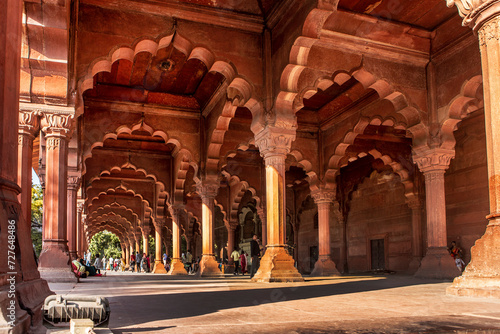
{"points": [[208, 189], [73, 182], [321, 196], [434, 159], [25, 140], [470, 9], [53, 143], [274, 144], [490, 30], [58, 124]]}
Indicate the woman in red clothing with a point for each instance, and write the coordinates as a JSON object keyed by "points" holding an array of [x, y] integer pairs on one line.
{"points": [[243, 262]]}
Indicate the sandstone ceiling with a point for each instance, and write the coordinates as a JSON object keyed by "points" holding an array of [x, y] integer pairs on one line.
{"points": [[426, 14]]}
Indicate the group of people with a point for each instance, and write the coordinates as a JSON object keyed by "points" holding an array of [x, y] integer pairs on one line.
{"points": [[82, 270], [241, 259], [102, 263], [140, 262]]}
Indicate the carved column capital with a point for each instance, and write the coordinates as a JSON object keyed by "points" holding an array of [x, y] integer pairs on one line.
{"points": [[274, 144], [433, 159], [208, 189], [29, 122], [58, 125], [415, 202], [73, 182], [323, 196], [475, 12]]}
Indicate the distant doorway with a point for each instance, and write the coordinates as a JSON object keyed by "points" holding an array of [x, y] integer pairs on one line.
{"points": [[378, 256]]}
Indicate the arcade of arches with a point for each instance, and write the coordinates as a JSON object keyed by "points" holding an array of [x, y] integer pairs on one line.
{"points": [[350, 136]]}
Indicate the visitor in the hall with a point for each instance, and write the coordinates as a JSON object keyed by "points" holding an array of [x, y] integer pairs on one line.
{"points": [[98, 262], [132, 262], [138, 261], [255, 254], [235, 255], [243, 262], [189, 261], [457, 253]]}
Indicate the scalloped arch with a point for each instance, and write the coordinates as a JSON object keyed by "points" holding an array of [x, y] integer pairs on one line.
{"points": [[469, 100]]}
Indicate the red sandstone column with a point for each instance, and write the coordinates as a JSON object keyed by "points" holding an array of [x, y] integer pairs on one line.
{"points": [[276, 264], [262, 215], [127, 254], [415, 205], [54, 262], [208, 265], [437, 262], [79, 229], [28, 126], [324, 266], [482, 275], [176, 265], [73, 185], [159, 268], [145, 239], [10, 210]]}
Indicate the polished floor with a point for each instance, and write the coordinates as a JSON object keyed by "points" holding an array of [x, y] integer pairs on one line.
{"points": [[147, 303]]}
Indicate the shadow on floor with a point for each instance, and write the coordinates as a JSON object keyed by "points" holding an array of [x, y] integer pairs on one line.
{"points": [[148, 308]]}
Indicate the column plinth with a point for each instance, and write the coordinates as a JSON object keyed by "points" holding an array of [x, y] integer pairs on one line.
{"points": [[324, 266], [481, 277], [176, 265], [208, 265], [55, 263], [437, 262], [276, 264]]}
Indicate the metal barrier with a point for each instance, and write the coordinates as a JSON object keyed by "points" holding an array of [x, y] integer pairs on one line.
{"points": [[59, 310]]}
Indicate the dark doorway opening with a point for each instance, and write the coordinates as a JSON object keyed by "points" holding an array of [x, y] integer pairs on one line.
{"points": [[378, 256]]}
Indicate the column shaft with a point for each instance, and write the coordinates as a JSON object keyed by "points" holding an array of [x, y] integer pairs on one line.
{"points": [[25, 157], [324, 266], [176, 265], [159, 268], [54, 262], [208, 264], [73, 185], [276, 264]]}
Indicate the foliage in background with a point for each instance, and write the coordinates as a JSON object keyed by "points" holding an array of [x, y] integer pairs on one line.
{"points": [[106, 243], [36, 217]]}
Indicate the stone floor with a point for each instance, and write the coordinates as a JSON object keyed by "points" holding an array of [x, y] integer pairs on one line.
{"points": [[147, 303]]}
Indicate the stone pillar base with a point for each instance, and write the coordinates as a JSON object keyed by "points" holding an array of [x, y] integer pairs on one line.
{"points": [[438, 264], [325, 267], [58, 275], [481, 278], [177, 268], [55, 260], [159, 268], [32, 295], [277, 266], [414, 265], [209, 267], [22, 318]]}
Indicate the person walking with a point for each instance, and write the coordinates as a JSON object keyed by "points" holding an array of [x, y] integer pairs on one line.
{"points": [[189, 261], [138, 261], [255, 254], [456, 254], [235, 255], [132, 261]]}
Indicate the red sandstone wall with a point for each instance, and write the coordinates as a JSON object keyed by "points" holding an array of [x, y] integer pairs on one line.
{"points": [[378, 211], [466, 184]]}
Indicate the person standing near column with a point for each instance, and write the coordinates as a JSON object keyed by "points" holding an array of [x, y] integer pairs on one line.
{"points": [[255, 254]]}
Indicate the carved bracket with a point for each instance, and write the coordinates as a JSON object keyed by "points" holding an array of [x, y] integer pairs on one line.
{"points": [[475, 12], [433, 159]]}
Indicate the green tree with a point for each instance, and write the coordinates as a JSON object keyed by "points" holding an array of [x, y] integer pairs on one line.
{"points": [[105, 243], [36, 217]]}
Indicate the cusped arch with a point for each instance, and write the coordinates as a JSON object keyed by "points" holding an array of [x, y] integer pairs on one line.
{"points": [[469, 100], [152, 46]]}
